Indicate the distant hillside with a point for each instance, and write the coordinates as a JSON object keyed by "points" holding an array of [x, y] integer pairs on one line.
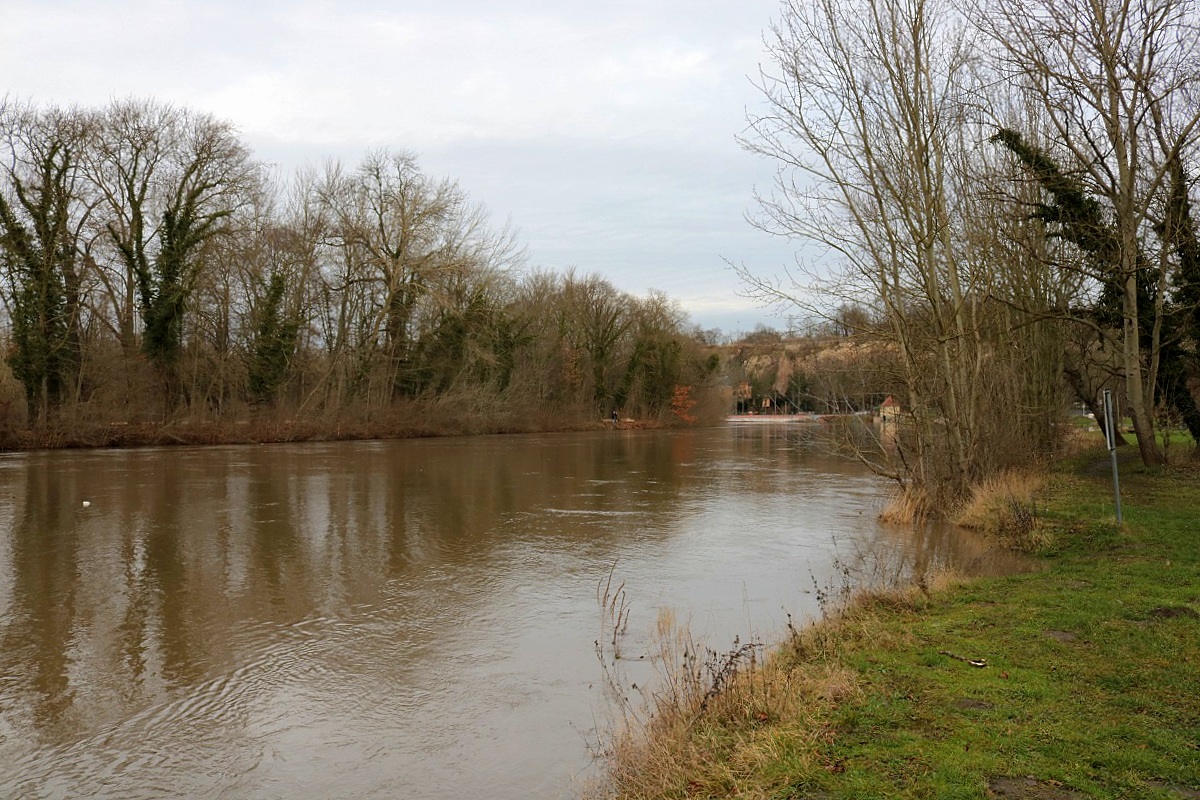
{"points": [[822, 374]]}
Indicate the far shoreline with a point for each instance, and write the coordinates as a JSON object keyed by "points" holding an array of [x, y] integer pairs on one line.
{"points": [[200, 433]]}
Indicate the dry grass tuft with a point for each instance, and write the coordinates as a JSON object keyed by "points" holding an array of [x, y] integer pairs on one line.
{"points": [[720, 746], [911, 597], [706, 724], [1004, 507], [1078, 441], [908, 506], [721, 723]]}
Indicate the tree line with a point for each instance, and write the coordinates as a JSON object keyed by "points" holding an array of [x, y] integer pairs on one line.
{"points": [[151, 269], [1003, 192]]}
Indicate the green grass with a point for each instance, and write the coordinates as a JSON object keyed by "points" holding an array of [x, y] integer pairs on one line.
{"points": [[1091, 689]]}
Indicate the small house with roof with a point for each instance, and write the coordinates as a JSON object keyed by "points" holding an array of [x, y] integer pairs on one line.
{"points": [[889, 410]]}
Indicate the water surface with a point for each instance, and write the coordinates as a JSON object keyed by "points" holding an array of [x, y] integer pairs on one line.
{"points": [[407, 619]]}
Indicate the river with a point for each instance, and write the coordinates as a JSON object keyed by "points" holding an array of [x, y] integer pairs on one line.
{"points": [[398, 619]]}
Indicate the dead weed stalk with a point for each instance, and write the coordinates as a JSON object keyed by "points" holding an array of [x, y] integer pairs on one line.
{"points": [[614, 611]]}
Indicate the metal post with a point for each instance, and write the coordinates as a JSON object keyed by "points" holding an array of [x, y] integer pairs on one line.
{"points": [[1110, 434]]}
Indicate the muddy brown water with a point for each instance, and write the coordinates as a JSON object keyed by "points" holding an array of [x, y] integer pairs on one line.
{"points": [[406, 619]]}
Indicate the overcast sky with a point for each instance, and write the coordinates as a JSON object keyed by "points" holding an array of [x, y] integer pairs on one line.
{"points": [[605, 131]]}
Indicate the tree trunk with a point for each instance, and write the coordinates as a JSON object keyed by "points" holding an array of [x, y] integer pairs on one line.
{"points": [[1143, 426]]}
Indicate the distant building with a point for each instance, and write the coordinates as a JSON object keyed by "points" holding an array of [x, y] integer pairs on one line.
{"points": [[889, 410]]}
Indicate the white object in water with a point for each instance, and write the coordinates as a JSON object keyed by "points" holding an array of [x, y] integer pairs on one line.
{"points": [[87, 503]]}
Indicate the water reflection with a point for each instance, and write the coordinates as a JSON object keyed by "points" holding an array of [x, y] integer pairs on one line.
{"points": [[383, 618]]}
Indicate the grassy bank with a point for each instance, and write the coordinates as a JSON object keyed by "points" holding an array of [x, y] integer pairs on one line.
{"points": [[1085, 681]]}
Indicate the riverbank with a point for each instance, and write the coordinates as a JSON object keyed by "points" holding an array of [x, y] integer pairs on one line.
{"points": [[1076, 680], [415, 422]]}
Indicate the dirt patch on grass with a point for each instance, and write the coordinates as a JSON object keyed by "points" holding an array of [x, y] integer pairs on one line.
{"points": [[1171, 612], [1062, 636], [970, 704], [1177, 791], [1029, 789]]}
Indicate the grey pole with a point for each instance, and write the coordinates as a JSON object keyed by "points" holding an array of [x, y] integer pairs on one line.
{"points": [[1110, 435]]}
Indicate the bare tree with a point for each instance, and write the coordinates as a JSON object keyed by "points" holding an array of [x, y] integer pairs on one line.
{"points": [[172, 182], [1117, 80], [44, 208], [401, 248], [277, 275], [867, 122], [147, 236]]}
